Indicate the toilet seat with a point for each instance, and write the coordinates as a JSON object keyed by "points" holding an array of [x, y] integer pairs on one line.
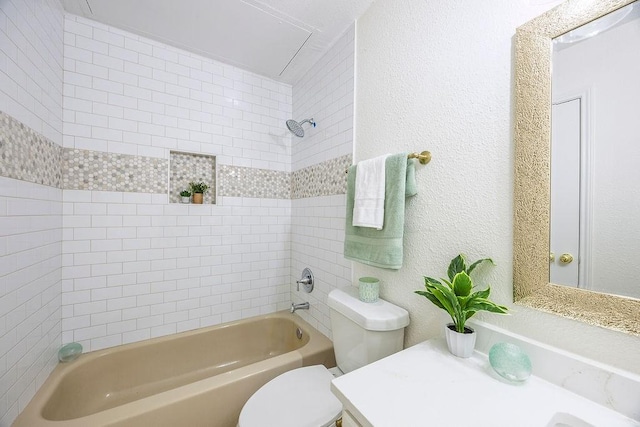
{"points": [[298, 398]]}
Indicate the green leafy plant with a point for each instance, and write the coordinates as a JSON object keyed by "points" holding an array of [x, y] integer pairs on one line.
{"points": [[185, 193], [454, 295], [198, 187]]}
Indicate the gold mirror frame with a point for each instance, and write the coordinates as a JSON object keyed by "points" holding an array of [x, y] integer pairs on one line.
{"points": [[533, 49]]}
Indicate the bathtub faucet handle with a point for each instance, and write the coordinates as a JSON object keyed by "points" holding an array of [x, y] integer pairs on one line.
{"points": [[306, 280]]}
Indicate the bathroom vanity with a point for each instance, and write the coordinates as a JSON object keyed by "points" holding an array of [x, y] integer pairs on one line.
{"points": [[425, 385]]}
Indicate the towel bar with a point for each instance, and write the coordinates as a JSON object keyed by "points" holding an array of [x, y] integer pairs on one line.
{"points": [[423, 158]]}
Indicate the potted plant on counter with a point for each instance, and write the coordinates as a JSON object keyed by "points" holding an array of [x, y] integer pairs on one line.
{"points": [[455, 297], [185, 196], [198, 189]]}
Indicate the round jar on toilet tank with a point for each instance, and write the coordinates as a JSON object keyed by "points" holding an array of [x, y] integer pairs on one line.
{"points": [[368, 289]]}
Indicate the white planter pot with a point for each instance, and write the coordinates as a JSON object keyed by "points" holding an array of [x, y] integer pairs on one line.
{"points": [[185, 199], [460, 345]]}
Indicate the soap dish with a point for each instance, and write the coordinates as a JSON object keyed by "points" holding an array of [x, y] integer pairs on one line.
{"points": [[69, 352], [510, 362]]}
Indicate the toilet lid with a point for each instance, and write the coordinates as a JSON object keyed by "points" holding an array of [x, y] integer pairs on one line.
{"points": [[298, 398]]}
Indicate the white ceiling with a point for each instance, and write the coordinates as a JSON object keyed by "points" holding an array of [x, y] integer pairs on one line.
{"points": [[281, 39]]}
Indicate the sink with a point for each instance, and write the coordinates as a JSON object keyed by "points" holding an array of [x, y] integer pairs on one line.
{"points": [[563, 419]]}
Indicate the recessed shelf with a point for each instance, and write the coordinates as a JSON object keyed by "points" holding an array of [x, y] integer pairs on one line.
{"points": [[191, 167]]}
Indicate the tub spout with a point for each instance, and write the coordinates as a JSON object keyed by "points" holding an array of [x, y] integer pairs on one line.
{"points": [[302, 306]]}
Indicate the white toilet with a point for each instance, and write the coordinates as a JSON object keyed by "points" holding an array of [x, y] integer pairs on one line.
{"points": [[362, 333]]}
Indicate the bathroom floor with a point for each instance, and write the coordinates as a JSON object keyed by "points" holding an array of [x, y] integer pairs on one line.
{"points": [[336, 372]]}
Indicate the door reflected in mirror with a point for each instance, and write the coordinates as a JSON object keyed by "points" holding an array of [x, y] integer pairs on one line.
{"points": [[595, 155]]}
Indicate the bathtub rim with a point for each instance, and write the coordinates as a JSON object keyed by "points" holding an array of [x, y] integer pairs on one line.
{"points": [[33, 412]]}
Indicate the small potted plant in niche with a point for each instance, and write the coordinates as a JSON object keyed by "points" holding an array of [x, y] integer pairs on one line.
{"points": [[198, 189], [455, 297], [185, 196]]}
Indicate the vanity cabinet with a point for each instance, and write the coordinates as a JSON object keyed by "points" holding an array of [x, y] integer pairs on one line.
{"points": [[414, 388], [348, 420]]}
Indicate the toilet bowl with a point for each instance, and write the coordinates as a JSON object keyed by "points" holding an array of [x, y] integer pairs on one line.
{"points": [[297, 398], [362, 333]]}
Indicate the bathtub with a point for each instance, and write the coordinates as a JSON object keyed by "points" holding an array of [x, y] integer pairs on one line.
{"points": [[196, 378]]}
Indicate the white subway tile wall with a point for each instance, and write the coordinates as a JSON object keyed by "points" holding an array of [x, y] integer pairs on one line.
{"points": [[317, 236], [326, 94], [31, 64], [105, 268], [135, 267], [131, 95], [30, 258], [31, 59]]}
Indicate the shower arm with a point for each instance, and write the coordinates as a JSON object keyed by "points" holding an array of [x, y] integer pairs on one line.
{"points": [[310, 121]]}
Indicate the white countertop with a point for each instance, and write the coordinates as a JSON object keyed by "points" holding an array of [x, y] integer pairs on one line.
{"points": [[425, 385]]}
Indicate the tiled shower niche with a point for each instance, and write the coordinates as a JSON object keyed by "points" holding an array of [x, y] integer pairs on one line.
{"points": [[190, 167]]}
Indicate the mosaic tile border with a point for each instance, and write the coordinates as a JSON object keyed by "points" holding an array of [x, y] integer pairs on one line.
{"points": [[237, 181], [28, 156], [323, 179], [191, 167], [98, 170]]}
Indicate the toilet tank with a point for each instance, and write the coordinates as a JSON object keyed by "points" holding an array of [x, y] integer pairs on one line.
{"points": [[364, 332]]}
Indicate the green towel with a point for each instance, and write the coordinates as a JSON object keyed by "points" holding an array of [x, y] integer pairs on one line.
{"points": [[382, 248]]}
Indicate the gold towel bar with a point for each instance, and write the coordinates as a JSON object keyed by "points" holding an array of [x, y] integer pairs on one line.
{"points": [[423, 158]]}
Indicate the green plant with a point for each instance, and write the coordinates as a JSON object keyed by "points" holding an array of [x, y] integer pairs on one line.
{"points": [[185, 193], [198, 187], [455, 297]]}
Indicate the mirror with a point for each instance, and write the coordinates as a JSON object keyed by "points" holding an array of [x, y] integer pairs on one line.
{"points": [[594, 147], [595, 143], [533, 163]]}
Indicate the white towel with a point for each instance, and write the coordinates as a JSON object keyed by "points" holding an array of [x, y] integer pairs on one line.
{"points": [[368, 206]]}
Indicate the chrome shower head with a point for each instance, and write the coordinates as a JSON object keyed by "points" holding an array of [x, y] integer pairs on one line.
{"points": [[296, 128]]}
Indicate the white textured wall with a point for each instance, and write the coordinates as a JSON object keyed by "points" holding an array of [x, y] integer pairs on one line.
{"points": [[317, 232], [438, 76], [609, 66], [134, 266], [30, 214]]}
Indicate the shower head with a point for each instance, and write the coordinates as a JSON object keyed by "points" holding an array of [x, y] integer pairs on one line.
{"points": [[296, 128]]}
